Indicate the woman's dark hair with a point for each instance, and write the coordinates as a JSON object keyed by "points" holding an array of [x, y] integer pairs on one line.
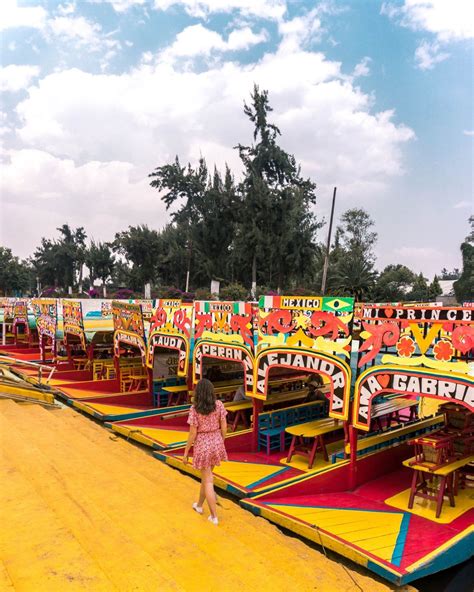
{"points": [[204, 397]]}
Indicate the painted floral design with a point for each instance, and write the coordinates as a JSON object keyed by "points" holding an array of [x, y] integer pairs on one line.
{"points": [[406, 347], [443, 350]]}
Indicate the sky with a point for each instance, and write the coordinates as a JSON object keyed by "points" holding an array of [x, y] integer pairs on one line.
{"points": [[372, 97]]}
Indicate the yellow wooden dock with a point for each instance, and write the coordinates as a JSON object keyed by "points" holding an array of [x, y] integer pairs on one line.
{"points": [[84, 510]]}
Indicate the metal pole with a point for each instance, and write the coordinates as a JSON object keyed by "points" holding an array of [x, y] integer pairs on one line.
{"points": [[328, 246]]}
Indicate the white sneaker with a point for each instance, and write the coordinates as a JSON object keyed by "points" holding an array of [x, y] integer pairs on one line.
{"points": [[197, 508], [213, 519]]}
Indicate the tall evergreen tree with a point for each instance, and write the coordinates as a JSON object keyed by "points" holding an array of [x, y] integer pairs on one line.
{"points": [[205, 217], [276, 228]]}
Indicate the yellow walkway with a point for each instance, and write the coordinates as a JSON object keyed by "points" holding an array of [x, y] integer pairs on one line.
{"points": [[81, 510]]}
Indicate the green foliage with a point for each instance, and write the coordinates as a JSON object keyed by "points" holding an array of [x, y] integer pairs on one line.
{"points": [[464, 287], [351, 261], [276, 227], [141, 246], [394, 283], [15, 275], [455, 274], [420, 290], [203, 294], [204, 223], [233, 291], [354, 275], [56, 262], [434, 288], [100, 261]]}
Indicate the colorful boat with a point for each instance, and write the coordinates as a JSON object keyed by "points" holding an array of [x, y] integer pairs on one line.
{"points": [[19, 326], [378, 509], [128, 389], [297, 339]]}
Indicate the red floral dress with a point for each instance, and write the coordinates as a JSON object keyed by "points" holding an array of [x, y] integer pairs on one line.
{"points": [[209, 447]]}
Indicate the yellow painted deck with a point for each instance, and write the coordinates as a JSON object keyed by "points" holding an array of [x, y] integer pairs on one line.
{"points": [[84, 511]]}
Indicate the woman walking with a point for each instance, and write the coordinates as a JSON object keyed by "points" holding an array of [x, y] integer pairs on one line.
{"points": [[208, 427]]}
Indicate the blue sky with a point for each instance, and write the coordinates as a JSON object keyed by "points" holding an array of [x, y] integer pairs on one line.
{"points": [[373, 97]]}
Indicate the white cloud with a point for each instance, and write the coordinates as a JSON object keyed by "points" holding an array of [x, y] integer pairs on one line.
{"points": [[447, 20], [362, 68], [300, 30], [97, 195], [68, 8], [468, 132], [75, 124], [124, 5], [426, 260], [12, 16], [427, 55], [76, 29], [14, 78], [198, 40], [463, 204], [267, 9]]}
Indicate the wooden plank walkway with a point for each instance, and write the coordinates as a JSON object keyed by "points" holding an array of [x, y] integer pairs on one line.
{"points": [[82, 510]]}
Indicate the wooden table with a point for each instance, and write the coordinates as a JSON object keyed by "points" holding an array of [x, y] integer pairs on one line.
{"points": [[137, 382], [175, 393], [239, 408], [80, 363], [312, 430], [420, 484]]}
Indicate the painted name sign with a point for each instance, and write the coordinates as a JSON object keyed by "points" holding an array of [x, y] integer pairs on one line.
{"points": [[409, 382], [169, 342], [315, 362], [418, 314], [296, 302], [130, 339], [224, 352]]}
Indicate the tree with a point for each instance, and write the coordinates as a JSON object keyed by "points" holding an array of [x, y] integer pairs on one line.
{"points": [[464, 287], [455, 274], [71, 254], [276, 228], [205, 221], [435, 288], [393, 284], [141, 246], [355, 234], [15, 275], [57, 262], [100, 261], [352, 260], [420, 290], [354, 275], [46, 263]]}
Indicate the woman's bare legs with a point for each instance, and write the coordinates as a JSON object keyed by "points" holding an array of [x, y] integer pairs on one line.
{"points": [[207, 480], [202, 493]]}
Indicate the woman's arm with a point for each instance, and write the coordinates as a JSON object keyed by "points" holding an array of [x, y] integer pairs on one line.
{"points": [[189, 443], [223, 427]]}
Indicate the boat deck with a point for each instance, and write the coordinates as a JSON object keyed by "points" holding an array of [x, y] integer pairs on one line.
{"points": [[373, 526], [250, 472]]}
